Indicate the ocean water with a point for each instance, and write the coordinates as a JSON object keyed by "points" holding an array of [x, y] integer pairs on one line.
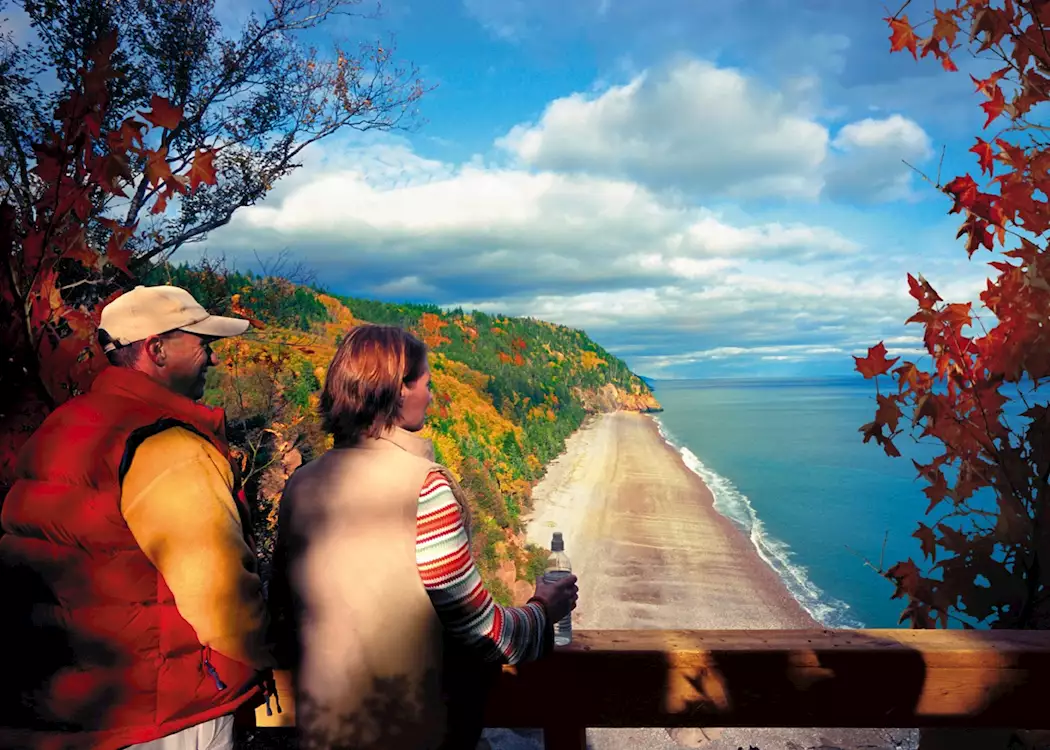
{"points": [[786, 463]]}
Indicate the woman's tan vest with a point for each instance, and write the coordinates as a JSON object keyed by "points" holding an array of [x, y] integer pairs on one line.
{"points": [[368, 657]]}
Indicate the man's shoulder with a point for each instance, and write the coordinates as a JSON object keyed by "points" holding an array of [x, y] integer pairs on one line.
{"points": [[179, 440], [177, 445]]}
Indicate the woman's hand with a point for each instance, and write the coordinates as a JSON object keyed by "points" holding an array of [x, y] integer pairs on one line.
{"points": [[558, 597]]}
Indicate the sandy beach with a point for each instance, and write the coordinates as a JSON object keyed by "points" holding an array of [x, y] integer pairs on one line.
{"points": [[651, 551]]}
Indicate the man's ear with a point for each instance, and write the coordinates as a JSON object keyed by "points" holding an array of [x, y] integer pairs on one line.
{"points": [[153, 346]]}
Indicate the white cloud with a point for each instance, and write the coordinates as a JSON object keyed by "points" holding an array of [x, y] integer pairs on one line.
{"points": [[691, 125], [891, 132], [578, 228], [868, 159], [670, 285], [715, 132], [545, 229]]}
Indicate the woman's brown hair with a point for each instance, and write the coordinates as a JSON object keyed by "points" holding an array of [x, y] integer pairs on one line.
{"points": [[362, 391]]}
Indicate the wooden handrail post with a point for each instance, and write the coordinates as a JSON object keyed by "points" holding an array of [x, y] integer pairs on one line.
{"points": [[564, 738]]}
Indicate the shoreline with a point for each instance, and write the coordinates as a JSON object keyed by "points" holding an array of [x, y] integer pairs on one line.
{"points": [[652, 552], [630, 509]]}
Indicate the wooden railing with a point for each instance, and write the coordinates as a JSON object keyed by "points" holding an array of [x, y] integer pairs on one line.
{"points": [[778, 678]]}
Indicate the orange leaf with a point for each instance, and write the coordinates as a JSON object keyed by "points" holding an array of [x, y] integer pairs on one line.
{"points": [[80, 322], [987, 85], [203, 168], [983, 149], [82, 253], [125, 138], [903, 36], [875, 363], [956, 315], [162, 114], [946, 26], [157, 169], [47, 297], [161, 202]]}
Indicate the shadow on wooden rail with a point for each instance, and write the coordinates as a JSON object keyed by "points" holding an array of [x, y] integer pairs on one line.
{"points": [[779, 678]]}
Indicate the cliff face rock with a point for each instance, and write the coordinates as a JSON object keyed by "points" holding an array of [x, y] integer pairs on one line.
{"points": [[611, 397]]}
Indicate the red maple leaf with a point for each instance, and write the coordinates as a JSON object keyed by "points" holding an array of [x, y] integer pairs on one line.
{"points": [[937, 490], [116, 254], [988, 85], [889, 411], [906, 575], [994, 106], [82, 253], [921, 290], [162, 114], [977, 229], [902, 36], [875, 363], [202, 170], [992, 22], [927, 541], [964, 190], [983, 149]]}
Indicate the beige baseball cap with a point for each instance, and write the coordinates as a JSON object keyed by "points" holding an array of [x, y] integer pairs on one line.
{"points": [[153, 310]]}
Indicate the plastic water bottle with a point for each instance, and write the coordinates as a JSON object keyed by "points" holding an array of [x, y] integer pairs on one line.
{"points": [[558, 566]]}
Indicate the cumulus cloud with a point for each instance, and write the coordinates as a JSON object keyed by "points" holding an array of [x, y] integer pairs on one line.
{"points": [[867, 163], [691, 125], [508, 230], [715, 132], [578, 227]]}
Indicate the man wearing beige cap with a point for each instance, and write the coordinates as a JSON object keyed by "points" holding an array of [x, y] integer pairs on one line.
{"points": [[127, 569]]}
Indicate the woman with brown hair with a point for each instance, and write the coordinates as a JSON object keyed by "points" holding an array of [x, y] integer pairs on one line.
{"points": [[393, 637]]}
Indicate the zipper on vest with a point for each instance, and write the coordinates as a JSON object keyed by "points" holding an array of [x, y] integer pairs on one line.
{"points": [[211, 669]]}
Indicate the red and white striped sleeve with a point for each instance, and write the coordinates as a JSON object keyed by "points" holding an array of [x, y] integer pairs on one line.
{"points": [[464, 606]]}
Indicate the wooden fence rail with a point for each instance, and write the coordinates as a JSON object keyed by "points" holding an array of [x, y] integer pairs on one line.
{"points": [[778, 678]]}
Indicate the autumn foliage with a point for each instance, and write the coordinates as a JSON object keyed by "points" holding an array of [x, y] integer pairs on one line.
{"points": [[61, 245], [981, 400]]}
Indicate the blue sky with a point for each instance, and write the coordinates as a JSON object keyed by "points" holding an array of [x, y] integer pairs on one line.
{"points": [[710, 188]]}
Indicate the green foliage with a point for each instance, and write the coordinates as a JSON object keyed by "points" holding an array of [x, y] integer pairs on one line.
{"points": [[271, 299], [536, 562], [509, 392], [303, 384]]}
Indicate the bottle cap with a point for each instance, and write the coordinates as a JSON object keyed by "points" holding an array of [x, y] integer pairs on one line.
{"points": [[557, 543]]}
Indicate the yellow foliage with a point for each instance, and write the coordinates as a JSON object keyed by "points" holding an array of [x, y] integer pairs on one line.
{"points": [[590, 360], [449, 450]]}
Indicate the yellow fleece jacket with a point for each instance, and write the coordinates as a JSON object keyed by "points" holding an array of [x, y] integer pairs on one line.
{"points": [[177, 499]]}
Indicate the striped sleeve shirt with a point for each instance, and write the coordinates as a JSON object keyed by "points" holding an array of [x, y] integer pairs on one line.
{"points": [[465, 607]]}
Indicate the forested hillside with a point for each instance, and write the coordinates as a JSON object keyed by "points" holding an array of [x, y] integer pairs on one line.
{"points": [[507, 393]]}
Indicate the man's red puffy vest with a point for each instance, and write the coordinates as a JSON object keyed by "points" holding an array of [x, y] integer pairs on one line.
{"points": [[94, 652]]}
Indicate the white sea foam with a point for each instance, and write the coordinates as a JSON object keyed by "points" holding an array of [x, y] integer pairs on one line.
{"points": [[734, 505]]}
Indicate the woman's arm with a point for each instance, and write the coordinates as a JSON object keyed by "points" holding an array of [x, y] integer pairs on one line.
{"points": [[464, 606]]}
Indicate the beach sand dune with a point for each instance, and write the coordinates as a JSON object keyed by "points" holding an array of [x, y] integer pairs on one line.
{"points": [[651, 551]]}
